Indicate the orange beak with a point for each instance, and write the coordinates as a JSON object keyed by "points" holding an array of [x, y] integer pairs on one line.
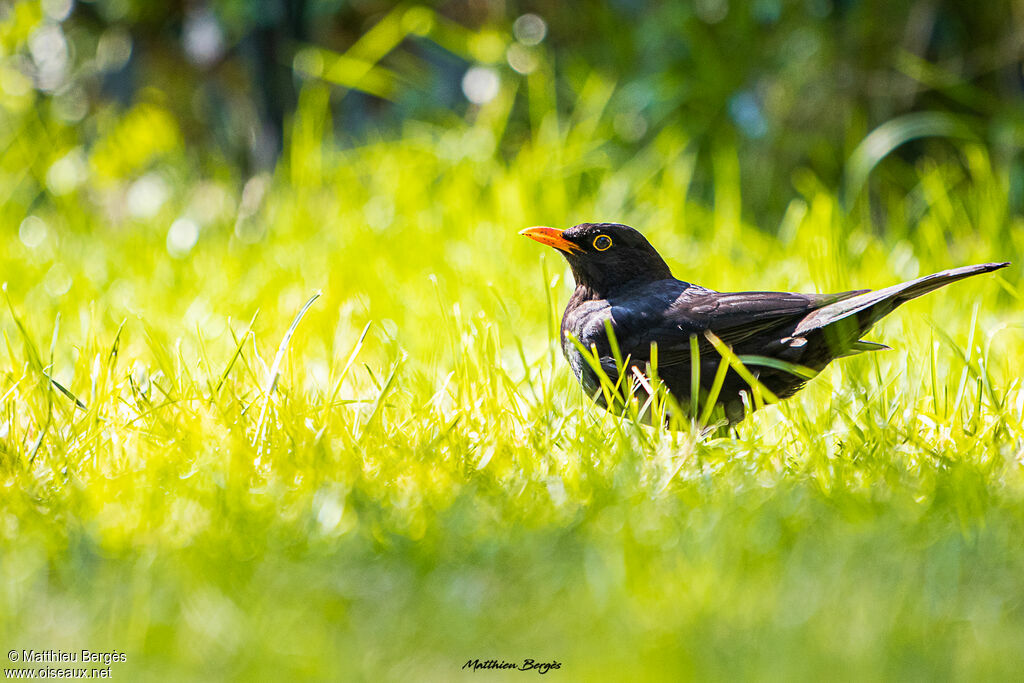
{"points": [[552, 237]]}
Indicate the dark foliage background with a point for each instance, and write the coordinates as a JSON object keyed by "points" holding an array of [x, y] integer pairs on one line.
{"points": [[790, 85]]}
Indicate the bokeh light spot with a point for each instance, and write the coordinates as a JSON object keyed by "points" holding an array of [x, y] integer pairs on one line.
{"points": [[529, 29], [202, 37], [32, 232], [57, 281], [71, 104], [67, 173], [58, 10], [182, 236], [481, 84], [147, 195], [521, 58], [49, 51], [113, 49]]}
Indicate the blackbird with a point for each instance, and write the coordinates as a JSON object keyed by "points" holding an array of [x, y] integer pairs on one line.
{"points": [[622, 283]]}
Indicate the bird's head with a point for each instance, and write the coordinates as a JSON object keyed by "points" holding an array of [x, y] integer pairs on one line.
{"points": [[604, 256]]}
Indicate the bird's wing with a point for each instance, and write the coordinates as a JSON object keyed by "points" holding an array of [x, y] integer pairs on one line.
{"points": [[733, 317]]}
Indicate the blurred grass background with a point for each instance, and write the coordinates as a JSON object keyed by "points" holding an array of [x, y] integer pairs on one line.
{"points": [[178, 179]]}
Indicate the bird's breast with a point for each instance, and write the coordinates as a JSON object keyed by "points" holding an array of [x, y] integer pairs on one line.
{"points": [[585, 322]]}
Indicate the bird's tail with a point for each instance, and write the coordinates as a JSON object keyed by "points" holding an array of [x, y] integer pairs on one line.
{"points": [[873, 306], [929, 283]]}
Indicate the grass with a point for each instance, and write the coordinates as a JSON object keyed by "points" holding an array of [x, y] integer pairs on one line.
{"points": [[424, 483]]}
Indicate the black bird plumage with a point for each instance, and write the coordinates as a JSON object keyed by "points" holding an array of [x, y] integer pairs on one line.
{"points": [[622, 280]]}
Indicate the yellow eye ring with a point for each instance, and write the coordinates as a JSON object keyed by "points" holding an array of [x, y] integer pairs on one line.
{"points": [[602, 243]]}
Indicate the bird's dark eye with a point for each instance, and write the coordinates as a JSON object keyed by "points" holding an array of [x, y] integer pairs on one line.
{"points": [[602, 242]]}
